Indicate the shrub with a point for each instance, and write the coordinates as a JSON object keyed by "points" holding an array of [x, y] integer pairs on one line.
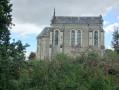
{"points": [[66, 73]]}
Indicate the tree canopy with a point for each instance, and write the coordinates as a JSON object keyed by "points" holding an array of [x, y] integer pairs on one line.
{"points": [[12, 55], [5, 23], [115, 41]]}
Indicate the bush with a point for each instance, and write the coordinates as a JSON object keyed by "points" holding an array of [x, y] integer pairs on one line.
{"points": [[32, 56], [66, 73]]}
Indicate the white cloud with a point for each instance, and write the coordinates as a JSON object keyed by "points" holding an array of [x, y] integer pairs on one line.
{"points": [[27, 54], [110, 28], [109, 47], [26, 28], [41, 11], [105, 22], [31, 16], [118, 17]]}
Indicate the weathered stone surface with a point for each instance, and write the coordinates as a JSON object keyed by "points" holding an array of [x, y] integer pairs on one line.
{"points": [[64, 25]]}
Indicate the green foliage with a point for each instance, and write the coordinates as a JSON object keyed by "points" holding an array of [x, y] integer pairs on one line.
{"points": [[17, 51], [115, 41], [17, 56], [12, 55], [5, 63], [32, 56], [66, 73], [5, 22], [92, 55], [112, 58]]}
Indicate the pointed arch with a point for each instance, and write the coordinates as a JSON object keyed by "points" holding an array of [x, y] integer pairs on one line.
{"points": [[79, 37], [96, 38], [72, 37], [56, 37]]}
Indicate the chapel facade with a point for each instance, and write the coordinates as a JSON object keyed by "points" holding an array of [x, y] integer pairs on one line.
{"points": [[72, 36]]}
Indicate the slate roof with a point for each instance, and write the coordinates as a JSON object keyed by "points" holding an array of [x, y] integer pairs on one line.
{"points": [[76, 20], [71, 20], [45, 32]]}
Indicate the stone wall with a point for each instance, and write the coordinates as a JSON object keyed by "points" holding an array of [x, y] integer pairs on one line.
{"points": [[46, 44]]}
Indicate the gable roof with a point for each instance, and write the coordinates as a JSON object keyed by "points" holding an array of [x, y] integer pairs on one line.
{"points": [[76, 20], [45, 32], [70, 20]]}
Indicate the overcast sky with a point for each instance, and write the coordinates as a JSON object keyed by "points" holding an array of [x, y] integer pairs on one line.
{"points": [[31, 16], [37, 13]]}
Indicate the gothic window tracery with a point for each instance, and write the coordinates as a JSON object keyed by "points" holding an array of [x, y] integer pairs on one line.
{"points": [[72, 38], [56, 37], [96, 38], [79, 37]]}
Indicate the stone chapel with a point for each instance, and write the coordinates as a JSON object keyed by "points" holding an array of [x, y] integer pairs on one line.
{"points": [[72, 36]]}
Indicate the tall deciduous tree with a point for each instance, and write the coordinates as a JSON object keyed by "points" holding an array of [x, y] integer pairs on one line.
{"points": [[115, 41]]}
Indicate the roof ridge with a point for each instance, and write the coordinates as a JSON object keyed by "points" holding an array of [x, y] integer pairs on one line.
{"points": [[77, 16]]}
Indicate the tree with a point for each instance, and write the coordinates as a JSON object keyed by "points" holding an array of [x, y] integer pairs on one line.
{"points": [[115, 42], [32, 56], [12, 55], [5, 23], [17, 55]]}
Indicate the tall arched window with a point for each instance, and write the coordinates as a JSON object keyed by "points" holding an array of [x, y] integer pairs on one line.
{"points": [[72, 38], [42, 46], [78, 37], [96, 38], [56, 37]]}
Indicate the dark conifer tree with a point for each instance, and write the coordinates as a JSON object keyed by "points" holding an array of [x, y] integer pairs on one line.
{"points": [[12, 55], [5, 23]]}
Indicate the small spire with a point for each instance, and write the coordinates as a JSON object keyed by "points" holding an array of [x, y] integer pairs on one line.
{"points": [[54, 11], [53, 18]]}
